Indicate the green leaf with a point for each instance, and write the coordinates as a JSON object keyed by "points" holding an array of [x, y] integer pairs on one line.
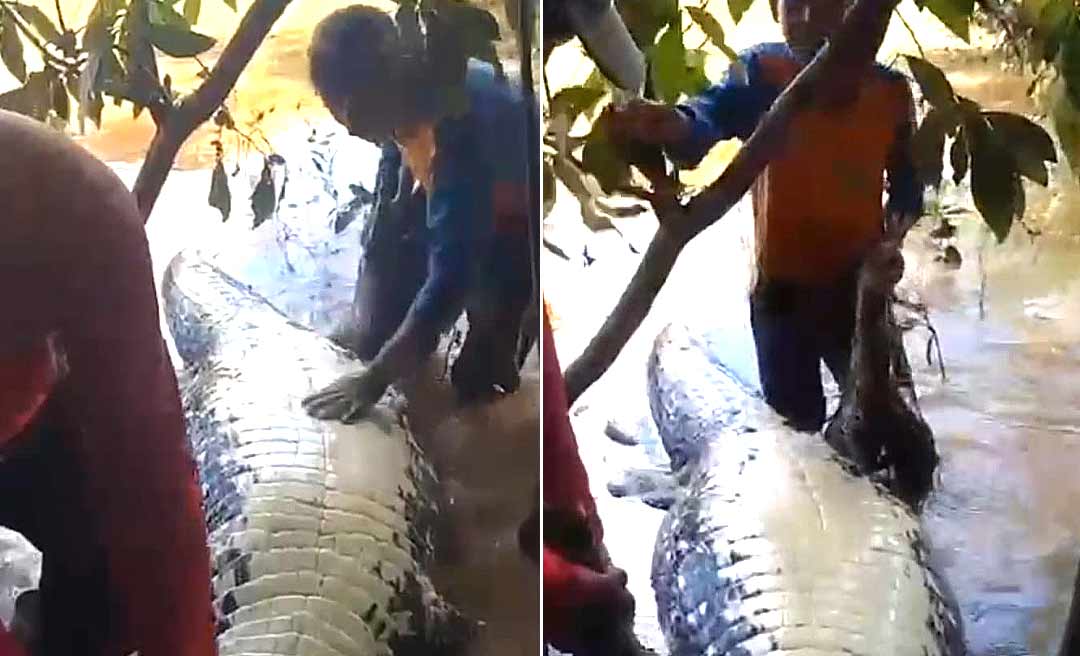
{"points": [[1052, 26], [668, 65], [32, 99], [39, 21], [139, 57], [993, 182], [110, 76], [1066, 121], [231, 4], [958, 157], [177, 42], [712, 29], [601, 159], [645, 18], [572, 101], [549, 187], [191, 11], [11, 48], [263, 199], [1069, 61], [220, 197], [933, 83], [61, 103], [954, 14], [737, 8], [696, 80], [474, 29], [928, 144], [161, 13], [1029, 144]]}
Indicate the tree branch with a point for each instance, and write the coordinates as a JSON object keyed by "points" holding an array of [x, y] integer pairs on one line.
{"points": [[842, 61], [199, 107], [60, 17], [36, 42]]}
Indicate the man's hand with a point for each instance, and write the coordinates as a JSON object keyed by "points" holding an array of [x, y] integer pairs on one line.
{"points": [[349, 398], [649, 122]]}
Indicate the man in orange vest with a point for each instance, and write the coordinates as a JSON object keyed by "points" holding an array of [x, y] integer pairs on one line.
{"points": [[95, 468], [817, 206]]}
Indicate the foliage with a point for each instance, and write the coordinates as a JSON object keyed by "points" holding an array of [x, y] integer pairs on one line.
{"points": [[114, 57], [999, 148], [996, 149]]}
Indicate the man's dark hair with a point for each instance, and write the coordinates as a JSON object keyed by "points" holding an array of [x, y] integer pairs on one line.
{"points": [[353, 48]]}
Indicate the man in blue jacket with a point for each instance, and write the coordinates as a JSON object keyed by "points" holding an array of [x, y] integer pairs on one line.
{"points": [[471, 168]]}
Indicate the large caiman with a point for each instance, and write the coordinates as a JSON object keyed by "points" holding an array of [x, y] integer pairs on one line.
{"points": [[778, 544], [320, 532]]}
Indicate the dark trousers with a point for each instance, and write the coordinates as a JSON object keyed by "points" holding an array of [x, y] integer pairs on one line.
{"points": [[795, 328], [495, 307]]}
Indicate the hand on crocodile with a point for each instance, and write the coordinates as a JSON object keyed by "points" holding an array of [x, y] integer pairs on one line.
{"points": [[348, 399]]}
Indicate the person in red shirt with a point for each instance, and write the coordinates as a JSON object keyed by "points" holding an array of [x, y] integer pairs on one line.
{"points": [[95, 468], [587, 608]]}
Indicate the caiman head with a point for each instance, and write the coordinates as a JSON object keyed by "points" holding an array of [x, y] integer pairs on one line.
{"points": [[874, 426]]}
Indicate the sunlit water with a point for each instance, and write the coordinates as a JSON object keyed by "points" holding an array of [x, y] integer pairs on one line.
{"points": [[1002, 522]]}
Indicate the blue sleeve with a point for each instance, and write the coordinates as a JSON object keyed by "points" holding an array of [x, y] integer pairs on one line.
{"points": [[459, 212], [905, 189], [730, 109]]}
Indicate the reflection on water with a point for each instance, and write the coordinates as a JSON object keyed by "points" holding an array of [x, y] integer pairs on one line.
{"points": [[1002, 522]]}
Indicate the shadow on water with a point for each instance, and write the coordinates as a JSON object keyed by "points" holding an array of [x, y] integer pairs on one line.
{"points": [[1003, 520]]}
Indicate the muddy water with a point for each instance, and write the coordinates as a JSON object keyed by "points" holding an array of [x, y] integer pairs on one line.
{"points": [[1007, 417]]}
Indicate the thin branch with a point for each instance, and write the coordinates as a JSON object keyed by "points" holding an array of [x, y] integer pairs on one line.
{"points": [[851, 50], [33, 38], [198, 107], [922, 53]]}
